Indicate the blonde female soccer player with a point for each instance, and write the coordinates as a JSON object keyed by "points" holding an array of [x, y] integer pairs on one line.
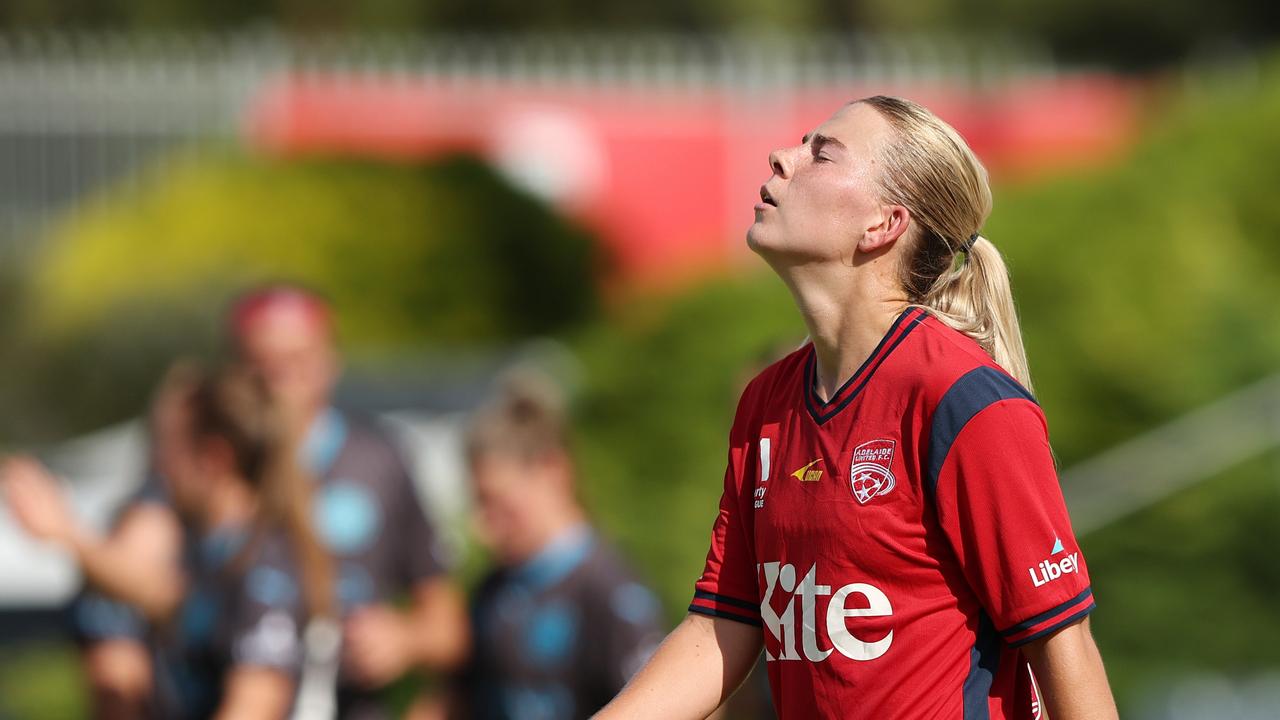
{"points": [[891, 530]]}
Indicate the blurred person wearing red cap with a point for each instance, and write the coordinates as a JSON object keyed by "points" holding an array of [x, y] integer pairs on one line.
{"points": [[560, 622], [134, 575], [367, 510], [366, 513]]}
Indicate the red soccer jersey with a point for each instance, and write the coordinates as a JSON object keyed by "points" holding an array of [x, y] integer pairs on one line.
{"points": [[900, 541]]}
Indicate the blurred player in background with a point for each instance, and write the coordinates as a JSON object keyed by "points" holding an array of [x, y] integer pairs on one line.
{"points": [[891, 532], [560, 624], [366, 513], [228, 634], [134, 575]]}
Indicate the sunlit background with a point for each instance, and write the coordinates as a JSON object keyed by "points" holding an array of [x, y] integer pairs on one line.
{"points": [[479, 185]]}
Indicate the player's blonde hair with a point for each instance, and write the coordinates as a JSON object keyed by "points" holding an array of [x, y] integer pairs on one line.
{"points": [[525, 420], [949, 269]]}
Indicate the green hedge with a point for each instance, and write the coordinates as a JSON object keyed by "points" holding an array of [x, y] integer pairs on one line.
{"points": [[446, 254]]}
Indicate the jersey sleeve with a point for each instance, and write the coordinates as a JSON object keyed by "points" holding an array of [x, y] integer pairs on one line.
{"points": [[415, 551], [420, 555], [1000, 506], [265, 626], [96, 617], [728, 587]]}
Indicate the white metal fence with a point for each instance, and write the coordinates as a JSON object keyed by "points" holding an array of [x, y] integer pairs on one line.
{"points": [[80, 110]]}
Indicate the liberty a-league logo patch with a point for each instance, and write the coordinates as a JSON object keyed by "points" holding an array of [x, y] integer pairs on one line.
{"points": [[871, 475]]}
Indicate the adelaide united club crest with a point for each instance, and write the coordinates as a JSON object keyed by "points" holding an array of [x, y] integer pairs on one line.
{"points": [[871, 475]]}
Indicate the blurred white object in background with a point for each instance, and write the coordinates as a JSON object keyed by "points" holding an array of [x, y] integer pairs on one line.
{"points": [[104, 469]]}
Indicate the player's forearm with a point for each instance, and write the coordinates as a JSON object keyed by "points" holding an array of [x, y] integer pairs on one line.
{"points": [[153, 589], [439, 626], [255, 694], [1069, 672], [138, 563], [695, 669]]}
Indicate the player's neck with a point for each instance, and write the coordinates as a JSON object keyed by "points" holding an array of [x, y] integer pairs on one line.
{"points": [[846, 320], [554, 523], [307, 419]]}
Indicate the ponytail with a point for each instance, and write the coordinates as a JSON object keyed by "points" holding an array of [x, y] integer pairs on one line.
{"points": [[234, 405], [286, 504], [974, 298], [949, 269]]}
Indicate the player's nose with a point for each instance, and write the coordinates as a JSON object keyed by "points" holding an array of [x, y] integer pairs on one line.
{"points": [[779, 163]]}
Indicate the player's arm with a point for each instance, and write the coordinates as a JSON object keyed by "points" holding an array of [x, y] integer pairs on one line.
{"points": [[712, 651], [1068, 669], [382, 642], [438, 624], [992, 476], [137, 563], [255, 693], [267, 653], [695, 669]]}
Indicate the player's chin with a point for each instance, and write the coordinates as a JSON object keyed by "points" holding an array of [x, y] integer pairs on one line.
{"points": [[770, 241], [759, 237]]}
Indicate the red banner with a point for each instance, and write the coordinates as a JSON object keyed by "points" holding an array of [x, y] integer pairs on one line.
{"points": [[668, 178]]}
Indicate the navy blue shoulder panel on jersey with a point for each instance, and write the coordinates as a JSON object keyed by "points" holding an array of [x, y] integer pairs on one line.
{"points": [[984, 664], [971, 394]]}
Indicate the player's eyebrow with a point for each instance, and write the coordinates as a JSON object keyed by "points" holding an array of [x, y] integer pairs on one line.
{"points": [[819, 140]]}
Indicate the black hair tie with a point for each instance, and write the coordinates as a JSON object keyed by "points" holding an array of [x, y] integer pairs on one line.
{"points": [[967, 246]]}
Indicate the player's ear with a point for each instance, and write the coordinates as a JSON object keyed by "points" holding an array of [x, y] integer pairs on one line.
{"points": [[889, 224]]}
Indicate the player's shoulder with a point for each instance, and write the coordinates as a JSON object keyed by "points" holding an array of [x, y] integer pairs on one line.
{"points": [[364, 427], [770, 384], [371, 438], [490, 584], [948, 366], [608, 580], [604, 564], [788, 366]]}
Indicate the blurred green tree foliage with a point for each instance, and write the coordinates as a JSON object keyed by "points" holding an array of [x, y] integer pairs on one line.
{"points": [[1146, 289], [443, 255], [1124, 33]]}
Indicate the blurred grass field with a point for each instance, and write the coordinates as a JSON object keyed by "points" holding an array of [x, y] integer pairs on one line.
{"points": [[41, 681]]}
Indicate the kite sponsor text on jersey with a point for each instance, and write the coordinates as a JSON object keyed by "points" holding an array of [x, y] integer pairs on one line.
{"points": [[783, 627]]}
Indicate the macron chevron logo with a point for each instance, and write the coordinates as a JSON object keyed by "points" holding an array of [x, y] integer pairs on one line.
{"points": [[1057, 546]]}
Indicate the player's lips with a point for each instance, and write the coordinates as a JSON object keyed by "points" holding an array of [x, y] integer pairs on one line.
{"points": [[766, 200]]}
